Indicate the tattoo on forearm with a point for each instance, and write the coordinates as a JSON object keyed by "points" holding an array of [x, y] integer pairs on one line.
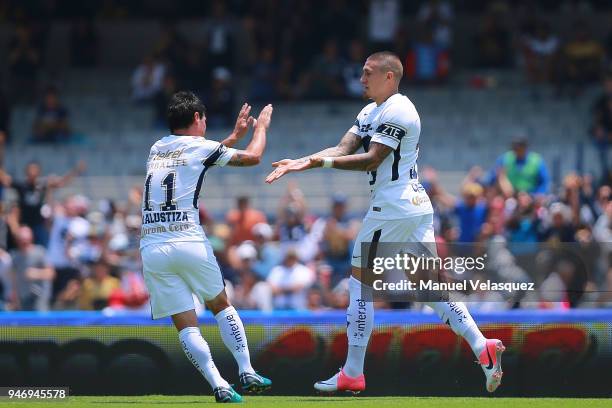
{"points": [[239, 160], [348, 145]]}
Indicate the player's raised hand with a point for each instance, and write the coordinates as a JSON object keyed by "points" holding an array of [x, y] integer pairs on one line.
{"points": [[265, 116], [244, 121], [287, 166]]}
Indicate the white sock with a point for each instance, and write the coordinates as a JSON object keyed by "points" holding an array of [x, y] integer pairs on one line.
{"points": [[232, 333], [456, 315], [197, 351], [360, 320]]}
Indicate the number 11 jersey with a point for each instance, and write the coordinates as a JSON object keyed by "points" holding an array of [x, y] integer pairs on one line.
{"points": [[176, 169]]}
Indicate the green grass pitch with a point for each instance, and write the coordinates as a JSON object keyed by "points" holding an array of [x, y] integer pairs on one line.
{"points": [[164, 401]]}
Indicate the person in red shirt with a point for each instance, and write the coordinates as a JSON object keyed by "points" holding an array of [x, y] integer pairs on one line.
{"points": [[242, 220]]}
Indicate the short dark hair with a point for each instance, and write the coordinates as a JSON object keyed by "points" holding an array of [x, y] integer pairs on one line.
{"points": [[389, 61], [181, 108]]}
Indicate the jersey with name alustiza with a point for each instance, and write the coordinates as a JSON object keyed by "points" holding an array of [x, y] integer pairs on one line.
{"points": [[395, 189], [176, 169]]}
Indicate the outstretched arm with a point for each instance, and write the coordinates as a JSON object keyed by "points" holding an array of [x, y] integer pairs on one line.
{"points": [[349, 144], [63, 181], [251, 156], [368, 161]]}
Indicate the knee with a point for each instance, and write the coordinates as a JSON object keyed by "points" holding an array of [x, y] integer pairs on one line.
{"points": [[221, 302]]}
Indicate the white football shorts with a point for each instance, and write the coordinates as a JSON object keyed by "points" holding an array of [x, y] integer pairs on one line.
{"points": [[173, 271], [417, 232]]}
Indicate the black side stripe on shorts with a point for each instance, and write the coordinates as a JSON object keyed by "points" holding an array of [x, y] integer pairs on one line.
{"points": [[209, 161], [373, 248]]}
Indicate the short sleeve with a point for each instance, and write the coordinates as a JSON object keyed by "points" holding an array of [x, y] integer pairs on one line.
{"points": [[355, 128], [392, 128], [220, 156]]}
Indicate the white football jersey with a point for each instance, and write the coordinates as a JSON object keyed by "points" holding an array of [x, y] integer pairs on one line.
{"points": [[395, 189], [176, 168]]}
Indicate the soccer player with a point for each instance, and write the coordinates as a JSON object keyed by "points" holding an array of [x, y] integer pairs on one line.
{"points": [[177, 257], [388, 129]]}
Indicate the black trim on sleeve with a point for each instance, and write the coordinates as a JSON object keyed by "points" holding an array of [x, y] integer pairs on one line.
{"points": [[214, 156]]}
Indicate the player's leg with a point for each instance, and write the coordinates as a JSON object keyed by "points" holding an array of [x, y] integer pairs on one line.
{"points": [[359, 319], [234, 338], [206, 281], [456, 315], [171, 296], [197, 351]]}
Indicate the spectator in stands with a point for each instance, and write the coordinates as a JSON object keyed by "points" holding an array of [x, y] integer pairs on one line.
{"points": [[161, 99], [242, 220], [583, 57], [220, 36], [33, 274], [383, 22], [524, 223], [290, 282], [171, 46], [5, 116], [598, 205], [132, 294], [268, 253], [471, 212], [603, 227], [540, 51], [99, 287], [521, 170], [438, 15], [601, 128], [32, 194], [427, 62], [69, 229], [147, 79], [51, 123], [193, 72], [220, 99], [24, 63], [8, 298], [250, 292], [324, 78], [264, 76], [315, 300], [353, 69], [84, 45], [560, 227], [9, 226], [493, 42], [337, 232]]}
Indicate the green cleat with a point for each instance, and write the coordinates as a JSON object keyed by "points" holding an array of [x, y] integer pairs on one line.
{"points": [[227, 395], [254, 383]]}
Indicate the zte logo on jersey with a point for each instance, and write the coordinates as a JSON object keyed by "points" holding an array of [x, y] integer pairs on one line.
{"points": [[393, 131]]}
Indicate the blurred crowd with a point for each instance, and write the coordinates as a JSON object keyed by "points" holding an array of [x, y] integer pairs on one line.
{"points": [[71, 253], [292, 50], [76, 254]]}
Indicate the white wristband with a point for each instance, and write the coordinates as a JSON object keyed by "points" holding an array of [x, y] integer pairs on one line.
{"points": [[328, 162]]}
